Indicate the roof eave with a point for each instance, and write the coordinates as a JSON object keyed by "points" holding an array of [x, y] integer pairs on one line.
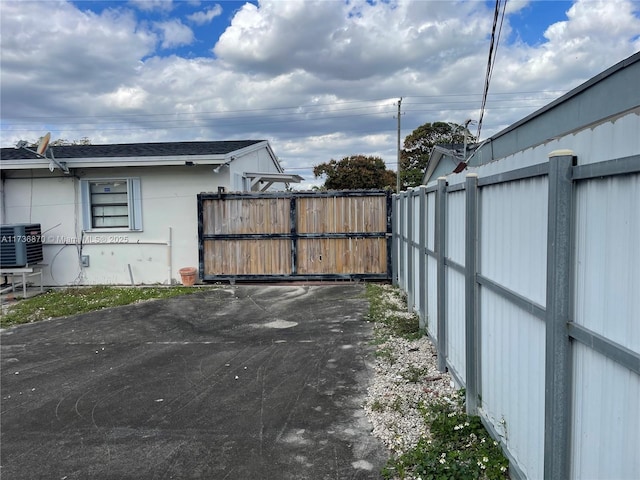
{"points": [[114, 162], [570, 94]]}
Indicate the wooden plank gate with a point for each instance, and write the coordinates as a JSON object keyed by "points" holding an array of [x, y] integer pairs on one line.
{"points": [[285, 236]]}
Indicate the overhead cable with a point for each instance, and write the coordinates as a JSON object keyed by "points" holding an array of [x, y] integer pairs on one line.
{"points": [[493, 49]]}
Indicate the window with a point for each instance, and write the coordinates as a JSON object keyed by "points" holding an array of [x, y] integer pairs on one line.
{"points": [[111, 204]]}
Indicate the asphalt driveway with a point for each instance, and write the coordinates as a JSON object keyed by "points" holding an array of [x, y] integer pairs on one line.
{"points": [[244, 382]]}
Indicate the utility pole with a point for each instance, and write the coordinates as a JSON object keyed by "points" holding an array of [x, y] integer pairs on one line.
{"points": [[398, 174]]}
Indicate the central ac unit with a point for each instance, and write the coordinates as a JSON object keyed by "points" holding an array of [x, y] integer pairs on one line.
{"points": [[20, 244]]}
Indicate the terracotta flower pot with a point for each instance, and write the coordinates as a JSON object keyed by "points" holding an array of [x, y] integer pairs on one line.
{"points": [[188, 275]]}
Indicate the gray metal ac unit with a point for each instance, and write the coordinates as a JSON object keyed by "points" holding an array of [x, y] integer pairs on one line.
{"points": [[20, 244]]}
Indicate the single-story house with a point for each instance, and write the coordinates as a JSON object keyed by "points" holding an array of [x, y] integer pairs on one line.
{"points": [[446, 158], [126, 213]]}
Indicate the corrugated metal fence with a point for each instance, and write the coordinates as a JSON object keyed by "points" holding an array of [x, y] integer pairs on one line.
{"points": [[528, 281]]}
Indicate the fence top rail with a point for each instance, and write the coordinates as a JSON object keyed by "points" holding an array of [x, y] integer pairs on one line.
{"points": [[608, 168], [456, 187], [523, 173], [428, 189], [297, 194]]}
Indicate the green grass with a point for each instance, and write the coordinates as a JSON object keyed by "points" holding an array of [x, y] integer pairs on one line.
{"points": [[71, 301]]}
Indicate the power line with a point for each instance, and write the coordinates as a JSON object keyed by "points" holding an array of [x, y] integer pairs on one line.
{"points": [[398, 148], [252, 121], [213, 112], [493, 48], [293, 107]]}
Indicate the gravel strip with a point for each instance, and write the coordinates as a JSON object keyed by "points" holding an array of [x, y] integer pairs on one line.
{"points": [[406, 376]]}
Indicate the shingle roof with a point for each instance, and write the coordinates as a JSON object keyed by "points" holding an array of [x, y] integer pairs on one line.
{"points": [[159, 149]]}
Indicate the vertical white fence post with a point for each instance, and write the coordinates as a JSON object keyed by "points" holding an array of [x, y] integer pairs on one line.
{"points": [[558, 306]]}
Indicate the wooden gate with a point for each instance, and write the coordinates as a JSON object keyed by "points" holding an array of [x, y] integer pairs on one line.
{"points": [[294, 236]]}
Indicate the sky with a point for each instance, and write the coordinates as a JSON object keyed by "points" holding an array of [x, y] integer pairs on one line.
{"points": [[319, 80]]}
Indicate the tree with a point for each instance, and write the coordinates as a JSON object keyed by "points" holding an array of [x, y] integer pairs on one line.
{"points": [[356, 172], [418, 145], [62, 142]]}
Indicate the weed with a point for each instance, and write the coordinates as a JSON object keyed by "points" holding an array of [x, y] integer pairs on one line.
{"points": [[387, 308], [414, 374], [458, 447], [71, 301], [385, 354], [396, 405]]}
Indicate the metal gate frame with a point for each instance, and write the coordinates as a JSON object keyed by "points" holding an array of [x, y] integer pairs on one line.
{"points": [[294, 236]]}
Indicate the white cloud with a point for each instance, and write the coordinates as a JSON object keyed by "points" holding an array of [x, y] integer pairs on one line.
{"points": [[150, 5], [174, 33], [205, 16], [595, 35], [126, 98], [351, 41], [319, 80], [53, 65]]}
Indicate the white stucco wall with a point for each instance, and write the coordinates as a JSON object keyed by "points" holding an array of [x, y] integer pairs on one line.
{"points": [[168, 241]]}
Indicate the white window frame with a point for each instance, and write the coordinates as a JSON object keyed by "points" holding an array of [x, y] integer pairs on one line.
{"points": [[134, 204]]}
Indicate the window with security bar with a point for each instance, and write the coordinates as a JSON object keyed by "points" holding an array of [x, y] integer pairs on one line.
{"points": [[111, 204]]}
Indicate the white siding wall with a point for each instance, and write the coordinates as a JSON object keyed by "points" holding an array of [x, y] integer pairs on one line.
{"points": [[615, 138], [258, 161]]}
